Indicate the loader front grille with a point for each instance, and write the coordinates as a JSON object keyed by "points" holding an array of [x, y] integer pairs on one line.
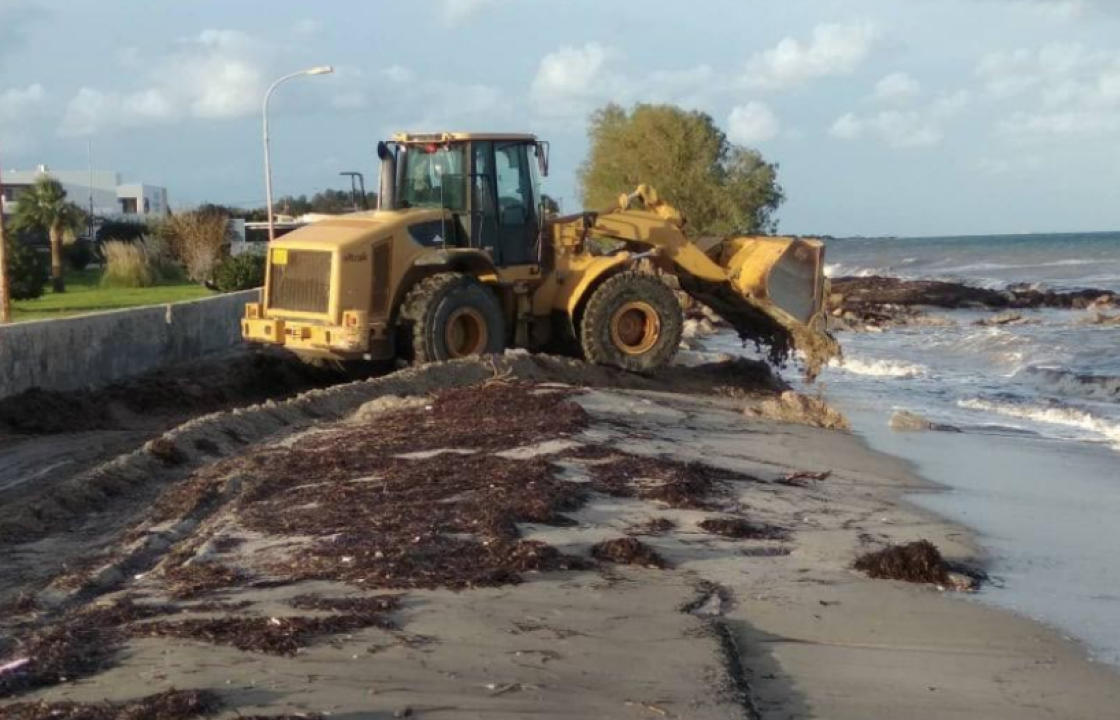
{"points": [[300, 280]]}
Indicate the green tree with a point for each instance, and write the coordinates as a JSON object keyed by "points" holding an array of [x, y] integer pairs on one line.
{"points": [[45, 207], [721, 188]]}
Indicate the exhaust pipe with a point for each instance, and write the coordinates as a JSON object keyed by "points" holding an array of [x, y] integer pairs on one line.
{"points": [[387, 192]]}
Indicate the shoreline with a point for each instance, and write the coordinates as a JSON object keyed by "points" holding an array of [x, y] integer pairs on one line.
{"points": [[951, 462], [776, 625]]}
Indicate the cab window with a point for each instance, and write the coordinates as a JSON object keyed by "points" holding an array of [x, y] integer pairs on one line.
{"points": [[515, 190], [433, 176]]}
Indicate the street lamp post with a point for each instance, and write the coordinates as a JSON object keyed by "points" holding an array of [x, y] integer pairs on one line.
{"points": [[5, 289], [317, 70]]}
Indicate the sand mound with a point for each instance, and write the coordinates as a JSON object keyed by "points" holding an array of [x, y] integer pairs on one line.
{"points": [[906, 421], [793, 407], [179, 391]]}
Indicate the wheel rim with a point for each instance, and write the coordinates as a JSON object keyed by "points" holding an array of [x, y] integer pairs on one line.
{"points": [[635, 327], [466, 333]]}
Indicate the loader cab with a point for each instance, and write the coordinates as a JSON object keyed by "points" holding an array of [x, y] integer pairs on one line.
{"points": [[490, 184]]}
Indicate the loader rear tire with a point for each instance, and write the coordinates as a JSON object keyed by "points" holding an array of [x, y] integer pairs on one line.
{"points": [[451, 315], [632, 321]]}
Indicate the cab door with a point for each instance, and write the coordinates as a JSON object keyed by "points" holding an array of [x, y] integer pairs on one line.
{"points": [[505, 213]]}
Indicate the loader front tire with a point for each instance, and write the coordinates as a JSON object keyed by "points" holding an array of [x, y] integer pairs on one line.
{"points": [[451, 315], [632, 321]]}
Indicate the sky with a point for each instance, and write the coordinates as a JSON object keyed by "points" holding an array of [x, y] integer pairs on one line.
{"points": [[886, 117]]}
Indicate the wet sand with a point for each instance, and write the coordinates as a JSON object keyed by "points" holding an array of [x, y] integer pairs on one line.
{"points": [[778, 627]]}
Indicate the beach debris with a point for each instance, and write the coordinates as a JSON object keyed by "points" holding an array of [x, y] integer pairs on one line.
{"points": [[678, 485], [14, 665], [198, 578], [628, 551], [916, 562], [1100, 318], [653, 526], [1005, 318], [906, 421], [740, 529], [168, 705], [22, 604], [800, 479], [364, 605], [166, 451], [270, 635], [794, 407]]}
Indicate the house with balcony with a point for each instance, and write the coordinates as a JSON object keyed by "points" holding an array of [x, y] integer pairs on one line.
{"points": [[101, 189]]}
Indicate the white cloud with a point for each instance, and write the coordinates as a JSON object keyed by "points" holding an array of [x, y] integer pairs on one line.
{"points": [[455, 11], [17, 103], [897, 87], [847, 127], [216, 74], [1070, 90], [571, 80], [835, 49], [20, 112], [1072, 123], [1058, 9], [897, 128], [398, 74], [950, 104], [308, 26], [752, 123]]}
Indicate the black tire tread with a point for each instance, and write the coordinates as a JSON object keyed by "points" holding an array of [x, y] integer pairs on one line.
{"points": [[418, 308], [594, 335]]}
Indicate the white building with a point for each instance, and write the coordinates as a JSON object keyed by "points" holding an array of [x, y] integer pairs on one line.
{"points": [[101, 188]]}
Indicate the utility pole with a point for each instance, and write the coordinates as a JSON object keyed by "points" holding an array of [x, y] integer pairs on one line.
{"points": [[5, 291]]}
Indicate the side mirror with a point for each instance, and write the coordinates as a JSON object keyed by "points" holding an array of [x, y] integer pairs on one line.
{"points": [[542, 157]]}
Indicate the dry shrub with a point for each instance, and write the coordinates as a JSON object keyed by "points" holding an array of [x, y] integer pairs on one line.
{"points": [[198, 240], [918, 562], [127, 265]]}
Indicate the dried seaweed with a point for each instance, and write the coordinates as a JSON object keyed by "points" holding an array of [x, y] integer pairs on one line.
{"points": [[678, 485], [653, 526], [363, 605], [741, 529], [169, 705], [190, 581], [80, 645], [628, 551], [272, 635], [917, 562], [166, 451]]}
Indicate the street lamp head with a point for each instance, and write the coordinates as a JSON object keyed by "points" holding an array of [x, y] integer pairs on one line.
{"points": [[320, 70]]}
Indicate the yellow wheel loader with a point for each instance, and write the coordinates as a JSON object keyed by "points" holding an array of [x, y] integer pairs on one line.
{"points": [[461, 258]]}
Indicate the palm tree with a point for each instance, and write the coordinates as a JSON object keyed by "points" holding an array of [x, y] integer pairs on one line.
{"points": [[45, 207]]}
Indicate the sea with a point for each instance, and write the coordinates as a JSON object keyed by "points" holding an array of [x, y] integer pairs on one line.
{"points": [[1035, 471]]}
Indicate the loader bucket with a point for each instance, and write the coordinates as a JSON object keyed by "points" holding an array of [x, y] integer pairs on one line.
{"points": [[774, 294]]}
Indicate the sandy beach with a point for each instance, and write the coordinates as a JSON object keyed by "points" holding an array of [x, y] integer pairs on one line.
{"points": [[589, 545]]}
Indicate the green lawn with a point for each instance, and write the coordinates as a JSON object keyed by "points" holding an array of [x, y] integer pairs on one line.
{"points": [[84, 294]]}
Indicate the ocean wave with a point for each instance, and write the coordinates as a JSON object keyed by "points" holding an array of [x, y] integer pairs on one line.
{"points": [[1050, 415], [840, 270], [878, 368], [1067, 382]]}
